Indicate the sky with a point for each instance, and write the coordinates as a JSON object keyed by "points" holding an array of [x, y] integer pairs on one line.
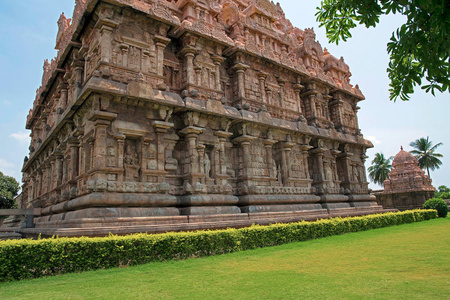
{"points": [[27, 36]]}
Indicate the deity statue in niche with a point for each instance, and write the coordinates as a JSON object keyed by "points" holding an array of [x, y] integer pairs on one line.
{"points": [[359, 172], [207, 164], [274, 168], [354, 173], [328, 173], [111, 155], [151, 157], [333, 170], [279, 179], [131, 160]]}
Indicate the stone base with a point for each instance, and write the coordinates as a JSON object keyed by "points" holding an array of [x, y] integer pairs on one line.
{"points": [[102, 227], [131, 213], [209, 210], [10, 236], [280, 208], [404, 201]]}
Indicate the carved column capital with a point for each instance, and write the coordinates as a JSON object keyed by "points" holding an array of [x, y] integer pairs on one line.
{"points": [[223, 134], [189, 51], [162, 126], [217, 59], [191, 130], [239, 67], [243, 139], [306, 147]]}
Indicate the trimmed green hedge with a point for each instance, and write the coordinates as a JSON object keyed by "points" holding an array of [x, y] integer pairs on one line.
{"points": [[20, 259], [439, 205]]}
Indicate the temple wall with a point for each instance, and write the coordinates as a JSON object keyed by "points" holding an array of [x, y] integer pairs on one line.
{"points": [[169, 112]]}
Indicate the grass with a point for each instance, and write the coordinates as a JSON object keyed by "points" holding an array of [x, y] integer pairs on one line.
{"points": [[410, 261]]}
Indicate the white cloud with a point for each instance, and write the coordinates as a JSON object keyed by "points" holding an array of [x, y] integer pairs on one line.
{"points": [[6, 103], [6, 166], [10, 169], [23, 137], [373, 139]]}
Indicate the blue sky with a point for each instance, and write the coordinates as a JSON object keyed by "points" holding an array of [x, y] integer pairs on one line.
{"points": [[27, 37]]}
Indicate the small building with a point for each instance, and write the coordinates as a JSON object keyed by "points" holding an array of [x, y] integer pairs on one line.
{"points": [[407, 186]]}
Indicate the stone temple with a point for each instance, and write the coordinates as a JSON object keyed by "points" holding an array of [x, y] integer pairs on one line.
{"points": [[177, 115], [407, 186]]}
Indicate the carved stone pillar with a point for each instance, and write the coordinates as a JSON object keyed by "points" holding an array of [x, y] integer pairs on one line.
{"points": [[124, 53], [355, 110], [171, 162], [270, 163], [240, 68], [218, 60], [286, 162], [77, 77], [363, 169], [59, 168], [346, 165], [297, 89], [161, 130], [106, 28], [336, 106], [91, 142], [189, 53], [120, 153], [201, 161], [40, 180], [52, 174], [310, 101], [44, 181], [244, 141], [161, 43], [145, 145], [318, 155], [101, 121], [31, 188], [63, 96], [312, 106], [281, 83], [222, 168], [262, 85], [73, 145], [334, 153], [191, 133], [305, 153], [145, 67]]}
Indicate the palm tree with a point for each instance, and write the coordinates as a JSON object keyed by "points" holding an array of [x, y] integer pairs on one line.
{"points": [[380, 168], [424, 152]]}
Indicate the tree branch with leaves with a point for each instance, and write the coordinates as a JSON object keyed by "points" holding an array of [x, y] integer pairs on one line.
{"points": [[419, 49], [9, 188]]}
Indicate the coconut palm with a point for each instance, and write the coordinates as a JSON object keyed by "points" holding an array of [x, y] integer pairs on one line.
{"points": [[380, 168], [425, 153]]}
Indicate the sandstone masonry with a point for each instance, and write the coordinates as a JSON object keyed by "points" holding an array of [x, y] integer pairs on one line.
{"points": [[176, 115]]}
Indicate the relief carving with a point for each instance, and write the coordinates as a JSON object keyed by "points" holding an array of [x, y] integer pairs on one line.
{"points": [[131, 160]]}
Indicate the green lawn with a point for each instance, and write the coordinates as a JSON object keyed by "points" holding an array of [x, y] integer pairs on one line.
{"points": [[410, 261]]}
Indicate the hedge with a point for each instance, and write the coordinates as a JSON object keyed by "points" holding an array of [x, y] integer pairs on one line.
{"points": [[26, 258], [439, 205]]}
